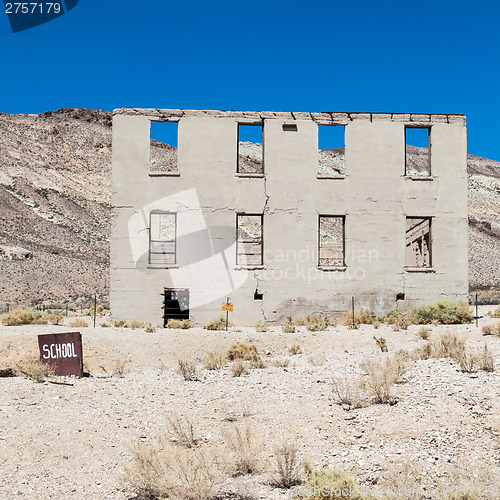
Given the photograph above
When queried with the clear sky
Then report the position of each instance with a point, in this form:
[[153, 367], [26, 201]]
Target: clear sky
[[423, 56]]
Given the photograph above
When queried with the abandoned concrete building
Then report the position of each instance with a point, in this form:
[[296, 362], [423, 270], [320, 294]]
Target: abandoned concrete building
[[287, 223]]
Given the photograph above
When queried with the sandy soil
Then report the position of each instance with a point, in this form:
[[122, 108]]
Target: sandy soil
[[75, 441]]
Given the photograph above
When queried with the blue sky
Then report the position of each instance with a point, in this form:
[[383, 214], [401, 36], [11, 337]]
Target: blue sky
[[385, 56]]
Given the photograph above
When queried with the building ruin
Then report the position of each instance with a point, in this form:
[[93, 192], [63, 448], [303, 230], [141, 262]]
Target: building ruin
[[280, 226]]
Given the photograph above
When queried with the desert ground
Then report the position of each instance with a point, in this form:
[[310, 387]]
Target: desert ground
[[76, 441]]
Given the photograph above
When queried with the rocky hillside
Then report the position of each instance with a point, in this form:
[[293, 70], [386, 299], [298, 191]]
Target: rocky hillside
[[55, 213]]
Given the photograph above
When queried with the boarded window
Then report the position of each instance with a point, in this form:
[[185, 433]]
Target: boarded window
[[418, 148], [162, 238], [418, 242], [331, 154], [163, 146], [249, 244], [331, 240], [250, 150]]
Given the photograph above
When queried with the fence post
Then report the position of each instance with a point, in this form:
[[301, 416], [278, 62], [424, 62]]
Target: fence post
[[95, 307]]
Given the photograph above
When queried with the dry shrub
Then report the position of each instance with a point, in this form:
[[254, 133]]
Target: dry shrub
[[105, 325], [214, 361], [134, 324], [162, 471], [391, 317], [55, 319], [361, 317], [329, 484], [18, 317], [182, 324], [149, 328], [238, 368], [120, 366], [491, 329], [449, 345], [376, 324], [242, 350], [318, 323], [187, 369], [347, 392], [261, 326], [281, 363], [495, 313], [295, 349], [288, 327], [486, 360], [183, 431], [246, 449], [31, 367], [424, 333], [120, 323], [218, 323], [443, 312], [287, 464], [78, 323], [469, 362], [381, 375], [402, 322], [301, 321]]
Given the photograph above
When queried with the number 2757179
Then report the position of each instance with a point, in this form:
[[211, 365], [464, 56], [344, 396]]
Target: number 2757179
[[32, 8]]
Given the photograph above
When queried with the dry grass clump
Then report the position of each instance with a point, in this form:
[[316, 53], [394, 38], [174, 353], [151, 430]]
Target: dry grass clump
[[18, 317], [236, 351], [183, 324], [187, 369], [491, 329], [443, 312], [347, 392], [361, 317], [286, 464], [382, 374], [214, 361], [245, 448], [55, 319], [318, 323], [183, 431], [486, 360], [333, 484], [295, 349], [391, 317], [105, 324], [218, 323], [31, 367], [424, 333], [402, 322], [134, 324], [149, 328], [120, 366], [261, 326], [495, 313], [100, 311], [78, 323], [242, 350], [281, 363], [238, 368], [120, 323], [317, 359]]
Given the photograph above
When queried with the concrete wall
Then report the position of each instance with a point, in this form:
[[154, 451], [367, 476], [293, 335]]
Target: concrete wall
[[374, 196]]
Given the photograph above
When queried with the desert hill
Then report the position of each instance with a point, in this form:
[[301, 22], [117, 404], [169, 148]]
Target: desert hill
[[55, 212]]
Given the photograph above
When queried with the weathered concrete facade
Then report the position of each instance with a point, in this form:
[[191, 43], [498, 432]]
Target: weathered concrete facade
[[375, 201]]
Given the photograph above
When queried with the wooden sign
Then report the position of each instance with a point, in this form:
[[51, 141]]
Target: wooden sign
[[63, 351], [227, 307]]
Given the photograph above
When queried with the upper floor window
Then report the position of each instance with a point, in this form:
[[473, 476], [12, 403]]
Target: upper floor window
[[163, 148], [250, 149], [417, 151], [331, 152]]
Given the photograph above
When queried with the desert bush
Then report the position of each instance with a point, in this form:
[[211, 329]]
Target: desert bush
[[78, 323], [55, 319], [31, 367], [318, 323], [187, 369], [120, 366], [491, 329], [486, 360], [361, 317], [402, 322], [495, 313], [469, 362], [426, 351], [257, 364], [149, 328], [184, 324], [281, 363], [100, 311], [449, 345], [424, 333], [301, 321], [183, 431], [105, 324], [443, 312], [329, 484], [134, 324], [246, 449], [382, 343], [238, 368], [347, 392], [391, 317], [120, 323], [380, 377], [376, 324], [287, 464], [295, 349], [242, 350], [261, 326], [214, 361], [288, 327], [218, 323], [18, 317]]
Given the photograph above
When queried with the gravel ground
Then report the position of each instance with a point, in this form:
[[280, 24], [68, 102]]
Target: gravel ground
[[75, 441]]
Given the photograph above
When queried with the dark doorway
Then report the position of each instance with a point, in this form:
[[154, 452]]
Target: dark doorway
[[175, 304]]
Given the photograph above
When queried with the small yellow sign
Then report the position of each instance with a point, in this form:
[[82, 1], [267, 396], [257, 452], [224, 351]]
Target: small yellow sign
[[227, 307]]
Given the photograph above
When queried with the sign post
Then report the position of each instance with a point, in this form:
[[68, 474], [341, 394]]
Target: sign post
[[227, 306], [63, 351]]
